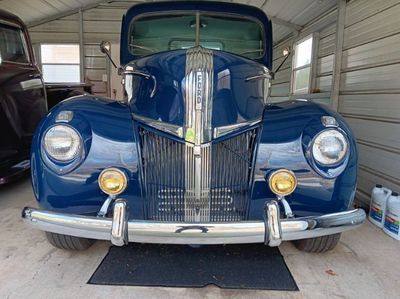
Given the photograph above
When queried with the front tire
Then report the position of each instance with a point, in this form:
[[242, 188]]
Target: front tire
[[69, 242], [319, 244]]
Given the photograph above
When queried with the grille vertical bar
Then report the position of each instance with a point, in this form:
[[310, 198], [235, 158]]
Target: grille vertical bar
[[169, 178]]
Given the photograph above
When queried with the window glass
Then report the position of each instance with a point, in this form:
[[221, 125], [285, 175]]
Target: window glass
[[60, 63], [303, 53], [154, 34], [301, 80], [68, 54], [302, 66], [12, 44]]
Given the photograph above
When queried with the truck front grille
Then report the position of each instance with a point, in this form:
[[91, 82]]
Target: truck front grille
[[174, 191]]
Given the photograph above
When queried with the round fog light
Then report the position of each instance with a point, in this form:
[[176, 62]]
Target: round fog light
[[282, 182], [112, 181]]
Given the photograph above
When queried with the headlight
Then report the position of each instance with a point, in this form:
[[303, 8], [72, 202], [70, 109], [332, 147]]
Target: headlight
[[62, 143], [112, 181], [282, 182], [329, 147]]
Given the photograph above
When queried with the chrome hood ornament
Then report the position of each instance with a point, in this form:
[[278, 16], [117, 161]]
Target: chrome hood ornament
[[198, 95]]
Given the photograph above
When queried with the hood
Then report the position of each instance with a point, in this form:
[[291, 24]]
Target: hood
[[197, 94]]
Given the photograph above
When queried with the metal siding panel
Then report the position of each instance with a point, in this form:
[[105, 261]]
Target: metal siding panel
[[282, 76], [377, 52], [327, 45], [278, 90], [325, 64], [376, 27], [380, 160], [324, 83], [61, 25], [106, 14], [359, 10], [382, 78], [102, 26], [95, 63], [371, 105], [60, 37], [383, 134]]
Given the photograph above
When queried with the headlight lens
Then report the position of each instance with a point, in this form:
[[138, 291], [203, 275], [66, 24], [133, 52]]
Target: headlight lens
[[282, 182], [112, 181], [329, 147], [62, 143]]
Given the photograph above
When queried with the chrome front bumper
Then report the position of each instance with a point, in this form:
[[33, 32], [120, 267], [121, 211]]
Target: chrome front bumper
[[119, 230]]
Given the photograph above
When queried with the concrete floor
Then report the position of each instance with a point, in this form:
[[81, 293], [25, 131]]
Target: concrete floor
[[364, 265]]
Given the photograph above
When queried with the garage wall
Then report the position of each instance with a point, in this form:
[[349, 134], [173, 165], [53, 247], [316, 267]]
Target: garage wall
[[370, 90], [324, 29], [100, 23], [369, 93]]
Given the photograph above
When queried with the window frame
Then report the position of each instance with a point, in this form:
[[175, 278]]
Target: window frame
[[24, 44], [310, 65], [198, 14], [62, 64]]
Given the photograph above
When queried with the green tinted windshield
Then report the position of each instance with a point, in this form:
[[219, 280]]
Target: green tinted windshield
[[157, 33]]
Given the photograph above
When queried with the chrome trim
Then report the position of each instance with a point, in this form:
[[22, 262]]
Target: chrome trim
[[119, 227], [159, 125], [145, 75], [193, 233], [197, 183], [225, 130], [258, 77], [198, 91], [329, 121], [273, 224]]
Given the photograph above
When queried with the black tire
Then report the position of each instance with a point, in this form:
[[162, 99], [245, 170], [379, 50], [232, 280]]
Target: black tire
[[319, 244], [69, 242]]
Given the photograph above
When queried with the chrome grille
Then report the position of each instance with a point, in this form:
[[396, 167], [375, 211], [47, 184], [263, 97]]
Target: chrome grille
[[175, 192]]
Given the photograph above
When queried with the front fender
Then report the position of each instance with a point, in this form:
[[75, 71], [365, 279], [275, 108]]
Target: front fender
[[107, 130], [287, 130]]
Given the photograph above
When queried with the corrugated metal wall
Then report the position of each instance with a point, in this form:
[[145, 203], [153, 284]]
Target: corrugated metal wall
[[370, 90], [100, 23], [369, 95], [324, 29]]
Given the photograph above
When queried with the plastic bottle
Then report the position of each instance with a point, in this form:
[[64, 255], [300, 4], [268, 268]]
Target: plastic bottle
[[392, 218], [379, 197]]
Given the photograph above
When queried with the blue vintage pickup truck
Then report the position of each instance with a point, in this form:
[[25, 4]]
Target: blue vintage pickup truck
[[194, 153]]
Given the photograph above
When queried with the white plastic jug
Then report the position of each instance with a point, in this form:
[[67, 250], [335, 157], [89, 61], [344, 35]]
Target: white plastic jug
[[377, 209], [392, 218]]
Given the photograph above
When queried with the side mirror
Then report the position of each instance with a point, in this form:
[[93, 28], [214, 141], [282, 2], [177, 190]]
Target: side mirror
[[105, 47], [285, 52]]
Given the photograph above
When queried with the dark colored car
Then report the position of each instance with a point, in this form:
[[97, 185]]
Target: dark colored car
[[194, 154], [23, 95]]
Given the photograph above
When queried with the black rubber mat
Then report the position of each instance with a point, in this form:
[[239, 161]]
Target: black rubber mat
[[231, 266]]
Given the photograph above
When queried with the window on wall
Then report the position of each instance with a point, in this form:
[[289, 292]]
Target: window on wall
[[60, 63], [301, 78]]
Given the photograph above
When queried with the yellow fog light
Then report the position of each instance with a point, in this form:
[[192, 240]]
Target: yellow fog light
[[282, 182], [112, 181]]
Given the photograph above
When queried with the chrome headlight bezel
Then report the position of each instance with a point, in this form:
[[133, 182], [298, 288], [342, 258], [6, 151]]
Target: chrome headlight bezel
[[323, 159], [74, 153]]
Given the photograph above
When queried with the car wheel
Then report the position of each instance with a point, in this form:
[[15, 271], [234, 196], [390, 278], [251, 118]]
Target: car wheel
[[69, 242], [319, 244]]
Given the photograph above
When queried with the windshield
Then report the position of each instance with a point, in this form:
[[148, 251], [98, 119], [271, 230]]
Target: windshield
[[157, 33], [12, 47]]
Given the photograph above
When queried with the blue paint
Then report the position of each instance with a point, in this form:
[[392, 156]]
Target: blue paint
[[111, 136]]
